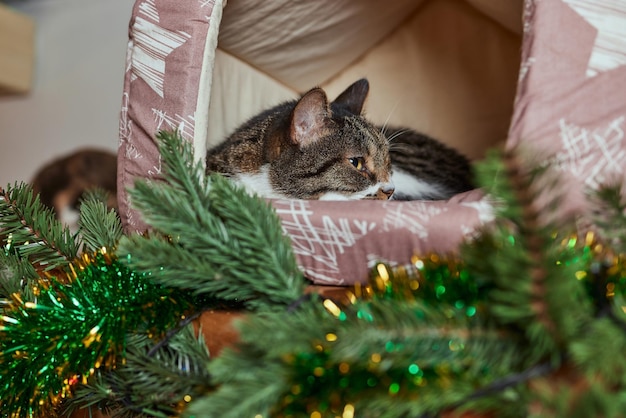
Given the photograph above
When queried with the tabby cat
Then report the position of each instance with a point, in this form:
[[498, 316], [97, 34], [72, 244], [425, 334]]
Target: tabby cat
[[312, 149]]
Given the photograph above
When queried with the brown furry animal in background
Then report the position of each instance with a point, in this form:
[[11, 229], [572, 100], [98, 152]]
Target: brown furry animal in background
[[62, 182]]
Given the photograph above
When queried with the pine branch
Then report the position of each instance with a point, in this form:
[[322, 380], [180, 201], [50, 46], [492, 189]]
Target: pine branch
[[609, 210], [17, 276], [594, 351], [35, 232], [386, 357], [576, 395], [500, 385], [535, 276], [450, 353], [99, 227], [242, 398], [157, 385], [222, 242]]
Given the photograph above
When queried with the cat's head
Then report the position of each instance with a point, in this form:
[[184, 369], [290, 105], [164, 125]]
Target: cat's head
[[332, 152]]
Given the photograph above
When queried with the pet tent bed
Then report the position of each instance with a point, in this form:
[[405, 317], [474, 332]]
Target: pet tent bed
[[449, 68]]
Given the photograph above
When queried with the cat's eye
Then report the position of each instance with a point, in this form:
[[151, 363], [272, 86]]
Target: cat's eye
[[357, 162]]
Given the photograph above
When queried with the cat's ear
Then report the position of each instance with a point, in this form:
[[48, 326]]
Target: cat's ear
[[308, 122], [354, 96]]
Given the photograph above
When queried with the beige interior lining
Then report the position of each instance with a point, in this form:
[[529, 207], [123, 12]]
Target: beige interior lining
[[442, 67], [303, 43]]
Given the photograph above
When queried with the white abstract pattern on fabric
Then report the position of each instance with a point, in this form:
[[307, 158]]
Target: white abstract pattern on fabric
[[413, 216], [593, 156], [609, 18], [149, 9], [484, 208], [322, 243], [126, 124], [525, 68], [126, 131], [152, 44], [207, 3], [325, 239], [184, 125]]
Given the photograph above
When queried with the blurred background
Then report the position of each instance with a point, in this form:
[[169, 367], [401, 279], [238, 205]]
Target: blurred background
[[74, 97]]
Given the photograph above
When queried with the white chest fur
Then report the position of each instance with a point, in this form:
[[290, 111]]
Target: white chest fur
[[409, 187], [259, 183]]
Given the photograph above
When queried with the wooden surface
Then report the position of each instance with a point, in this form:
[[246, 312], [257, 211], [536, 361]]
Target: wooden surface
[[17, 39]]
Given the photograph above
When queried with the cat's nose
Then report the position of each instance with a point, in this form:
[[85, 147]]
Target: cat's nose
[[387, 189]]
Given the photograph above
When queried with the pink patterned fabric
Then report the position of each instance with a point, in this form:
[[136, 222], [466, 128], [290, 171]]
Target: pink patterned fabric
[[338, 242], [165, 49], [570, 108]]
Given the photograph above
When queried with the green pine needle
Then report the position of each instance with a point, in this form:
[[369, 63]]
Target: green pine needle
[[35, 232], [382, 357], [99, 227], [535, 275], [16, 276], [155, 384], [610, 215], [221, 242], [595, 351]]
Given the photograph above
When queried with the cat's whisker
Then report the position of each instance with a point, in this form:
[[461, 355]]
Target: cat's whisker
[[383, 129], [396, 135], [400, 147]]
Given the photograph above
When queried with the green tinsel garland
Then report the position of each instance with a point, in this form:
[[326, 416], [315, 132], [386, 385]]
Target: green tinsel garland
[[79, 323]]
